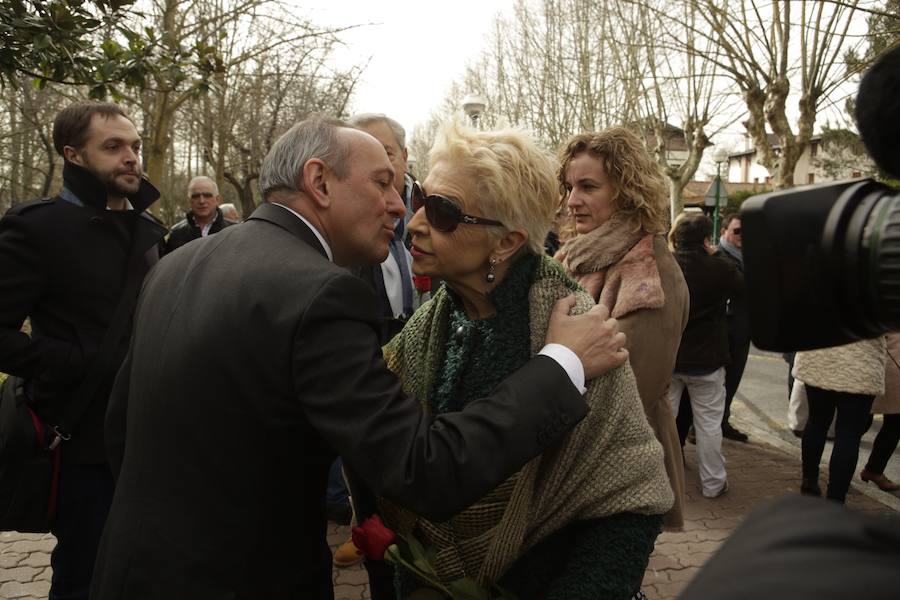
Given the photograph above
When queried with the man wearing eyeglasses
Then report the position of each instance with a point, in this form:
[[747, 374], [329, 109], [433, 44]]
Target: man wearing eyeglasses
[[738, 322], [204, 217]]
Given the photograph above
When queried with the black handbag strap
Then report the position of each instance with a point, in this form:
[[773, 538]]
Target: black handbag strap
[[105, 358]]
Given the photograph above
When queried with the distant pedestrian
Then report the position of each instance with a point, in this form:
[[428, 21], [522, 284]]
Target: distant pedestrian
[[204, 217], [738, 313], [844, 379], [703, 354], [230, 212], [888, 405]]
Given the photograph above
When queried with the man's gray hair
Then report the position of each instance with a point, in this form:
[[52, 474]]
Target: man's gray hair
[[363, 120], [315, 137], [200, 178]]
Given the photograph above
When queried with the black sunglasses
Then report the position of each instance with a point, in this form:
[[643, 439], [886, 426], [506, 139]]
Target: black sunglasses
[[443, 213], [736, 231]]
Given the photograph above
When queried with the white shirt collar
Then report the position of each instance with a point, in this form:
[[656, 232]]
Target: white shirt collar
[[310, 225], [128, 205]]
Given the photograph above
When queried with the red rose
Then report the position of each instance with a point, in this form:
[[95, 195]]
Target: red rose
[[422, 283], [373, 537]]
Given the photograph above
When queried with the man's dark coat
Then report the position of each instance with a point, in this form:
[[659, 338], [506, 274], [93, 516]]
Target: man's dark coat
[[187, 230], [64, 266], [254, 361], [738, 307], [711, 282]]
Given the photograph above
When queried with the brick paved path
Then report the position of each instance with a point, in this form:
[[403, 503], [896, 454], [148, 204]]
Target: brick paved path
[[756, 473], [25, 565]]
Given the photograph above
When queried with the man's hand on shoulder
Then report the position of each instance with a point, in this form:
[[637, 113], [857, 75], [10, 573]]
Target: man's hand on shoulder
[[593, 336]]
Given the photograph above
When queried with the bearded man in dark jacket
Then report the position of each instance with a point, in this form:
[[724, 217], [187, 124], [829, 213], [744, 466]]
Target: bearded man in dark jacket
[[64, 262]]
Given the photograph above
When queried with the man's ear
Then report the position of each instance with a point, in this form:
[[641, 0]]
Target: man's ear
[[72, 155], [315, 182], [509, 244]]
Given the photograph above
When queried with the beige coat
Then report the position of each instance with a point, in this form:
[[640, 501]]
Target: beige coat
[[889, 402], [653, 336], [855, 368]]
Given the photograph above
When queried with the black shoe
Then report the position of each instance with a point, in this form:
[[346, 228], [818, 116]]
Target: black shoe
[[810, 487], [733, 434], [340, 513]]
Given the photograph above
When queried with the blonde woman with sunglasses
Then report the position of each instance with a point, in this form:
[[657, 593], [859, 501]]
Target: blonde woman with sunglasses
[[581, 520]]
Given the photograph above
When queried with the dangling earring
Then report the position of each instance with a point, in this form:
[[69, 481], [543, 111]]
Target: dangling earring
[[490, 277]]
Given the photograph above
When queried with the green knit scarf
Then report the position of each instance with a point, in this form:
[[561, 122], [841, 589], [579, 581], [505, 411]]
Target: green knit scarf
[[611, 462]]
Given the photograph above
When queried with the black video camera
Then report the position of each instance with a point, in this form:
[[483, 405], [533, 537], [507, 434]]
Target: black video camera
[[822, 262]]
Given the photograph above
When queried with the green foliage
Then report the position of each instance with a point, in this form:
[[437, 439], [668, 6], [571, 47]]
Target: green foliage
[[95, 43], [883, 34], [842, 138], [884, 29], [843, 154], [69, 41], [735, 199]]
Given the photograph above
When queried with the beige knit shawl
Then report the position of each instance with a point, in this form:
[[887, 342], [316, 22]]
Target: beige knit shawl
[[611, 463]]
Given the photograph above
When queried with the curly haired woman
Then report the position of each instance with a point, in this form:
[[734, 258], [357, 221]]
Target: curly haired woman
[[618, 203]]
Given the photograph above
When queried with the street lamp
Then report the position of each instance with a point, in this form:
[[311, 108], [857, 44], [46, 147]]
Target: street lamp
[[719, 156], [474, 106]]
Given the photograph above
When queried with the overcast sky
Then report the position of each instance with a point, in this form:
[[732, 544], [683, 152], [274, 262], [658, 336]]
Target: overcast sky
[[417, 48]]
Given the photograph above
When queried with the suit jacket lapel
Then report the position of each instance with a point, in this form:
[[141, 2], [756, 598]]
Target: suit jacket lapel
[[284, 219]]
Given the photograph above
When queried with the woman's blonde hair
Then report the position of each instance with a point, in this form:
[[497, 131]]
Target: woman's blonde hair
[[511, 176], [636, 178]]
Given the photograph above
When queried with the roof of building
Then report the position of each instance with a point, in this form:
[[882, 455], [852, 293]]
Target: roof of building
[[773, 142]]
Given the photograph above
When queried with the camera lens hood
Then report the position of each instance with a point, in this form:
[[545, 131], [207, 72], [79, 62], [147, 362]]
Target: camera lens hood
[[860, 249]]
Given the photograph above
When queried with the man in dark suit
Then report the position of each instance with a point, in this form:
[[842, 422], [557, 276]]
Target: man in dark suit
[[221, 472]]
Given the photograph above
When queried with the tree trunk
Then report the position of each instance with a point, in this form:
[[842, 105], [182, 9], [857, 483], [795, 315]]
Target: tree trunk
[[676, 199]]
